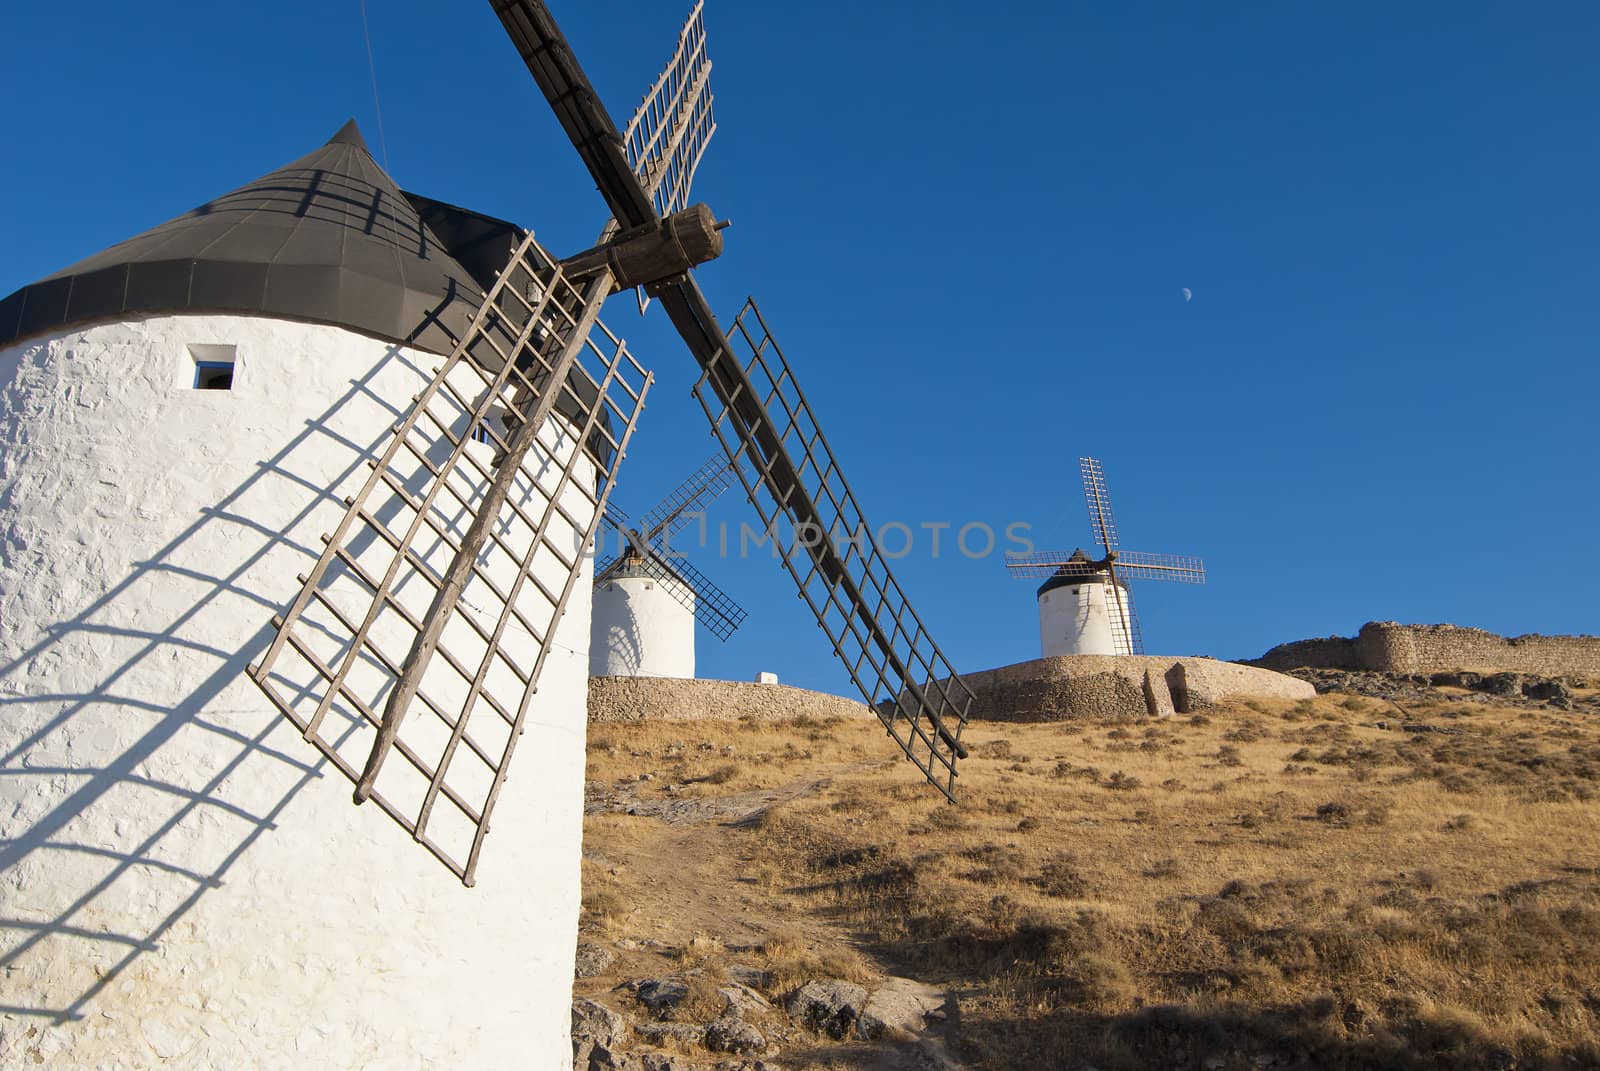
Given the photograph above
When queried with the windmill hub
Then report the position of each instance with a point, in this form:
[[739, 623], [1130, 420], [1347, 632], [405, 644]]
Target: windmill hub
[[658, 252]]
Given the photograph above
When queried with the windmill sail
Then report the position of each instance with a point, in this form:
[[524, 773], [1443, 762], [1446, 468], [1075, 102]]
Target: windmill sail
[[350, 645], [647, 548], [713, 607], [687, 501], [854, 596], [1099, 501], [766, 426], [673, 124], [1131, 565], [1126, 635]]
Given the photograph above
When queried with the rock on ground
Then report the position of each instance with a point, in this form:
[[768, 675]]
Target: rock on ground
[[900, 1004], [678, 1033], [830, 1007], [593, 959], [661, 995], [594, 1026], [742, 1000], [729, 1033]]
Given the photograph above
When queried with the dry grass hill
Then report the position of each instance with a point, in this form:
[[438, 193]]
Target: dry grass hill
[[1332, 883]]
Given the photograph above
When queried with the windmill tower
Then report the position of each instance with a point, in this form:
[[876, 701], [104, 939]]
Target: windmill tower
[[295, 491], [647, 598], [1085, 607]]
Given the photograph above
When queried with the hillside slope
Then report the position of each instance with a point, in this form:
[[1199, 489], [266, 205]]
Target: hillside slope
[[1332, 883]]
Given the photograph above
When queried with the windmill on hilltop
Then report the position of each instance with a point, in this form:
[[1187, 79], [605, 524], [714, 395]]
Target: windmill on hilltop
[[302, 482], [647, 598], [1085, 607]]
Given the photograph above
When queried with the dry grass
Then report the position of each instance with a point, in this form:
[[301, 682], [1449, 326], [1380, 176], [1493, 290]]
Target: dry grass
[[1277, 885]]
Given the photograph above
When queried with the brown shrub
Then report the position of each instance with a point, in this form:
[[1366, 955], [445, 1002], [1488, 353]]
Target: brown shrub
[[1101, 982], [721, 775], [1062, 877], [1334, 812]]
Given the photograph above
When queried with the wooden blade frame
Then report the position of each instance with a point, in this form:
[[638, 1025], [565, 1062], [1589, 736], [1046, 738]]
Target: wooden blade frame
[[673, 124], [1126, 635], [803, 499], [712, 606], [687, 501], [1050, 563], [341, 647], [1130, 564], [1099, 500], [1178, 568]]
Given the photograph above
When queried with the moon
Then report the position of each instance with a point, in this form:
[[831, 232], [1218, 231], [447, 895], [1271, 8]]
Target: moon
[[1187, 294]]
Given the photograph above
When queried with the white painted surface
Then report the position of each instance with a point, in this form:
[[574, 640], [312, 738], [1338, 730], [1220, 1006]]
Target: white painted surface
[[766, 678], [1077, 620], [640, 629], [182, 882]]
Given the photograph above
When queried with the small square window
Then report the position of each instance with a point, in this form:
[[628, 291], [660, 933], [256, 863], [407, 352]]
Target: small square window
[[481, 433], [213, 366], [213, 375]]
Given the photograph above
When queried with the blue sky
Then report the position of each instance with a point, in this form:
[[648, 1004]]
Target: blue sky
[[970, 228]]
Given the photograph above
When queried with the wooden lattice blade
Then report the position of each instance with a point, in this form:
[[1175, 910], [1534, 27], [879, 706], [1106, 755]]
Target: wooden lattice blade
[[342, 644], [799, 490], [1051, 563], [673, 124], [687, 502], [1130, 565], [1137, 565], [1099, 502]]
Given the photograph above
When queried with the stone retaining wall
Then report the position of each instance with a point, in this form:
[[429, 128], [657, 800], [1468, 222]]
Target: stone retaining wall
[[1390, 647], [1103, 687], [1119, 687], [635, 699]]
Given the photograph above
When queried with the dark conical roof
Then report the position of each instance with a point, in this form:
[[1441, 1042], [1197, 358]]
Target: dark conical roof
[[1081, 569], [328, 238]]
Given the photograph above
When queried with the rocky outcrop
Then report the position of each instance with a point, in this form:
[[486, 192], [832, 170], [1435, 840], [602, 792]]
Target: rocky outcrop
[[894, 1016], [1503, 689], [635, 699]]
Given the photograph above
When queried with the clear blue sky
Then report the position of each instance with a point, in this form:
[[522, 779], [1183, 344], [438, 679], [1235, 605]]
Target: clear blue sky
[[970, 226]]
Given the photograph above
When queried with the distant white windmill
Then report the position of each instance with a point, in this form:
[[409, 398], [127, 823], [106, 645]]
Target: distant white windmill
[[648, 596], [1084, 604]]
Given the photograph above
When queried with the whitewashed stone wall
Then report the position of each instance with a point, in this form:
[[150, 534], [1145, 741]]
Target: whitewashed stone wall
[[1077, 619], [640, 629], [182, 882]]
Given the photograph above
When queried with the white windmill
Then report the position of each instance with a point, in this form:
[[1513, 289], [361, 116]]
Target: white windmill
[[394, 424], [648, 596], [1085, 607]]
